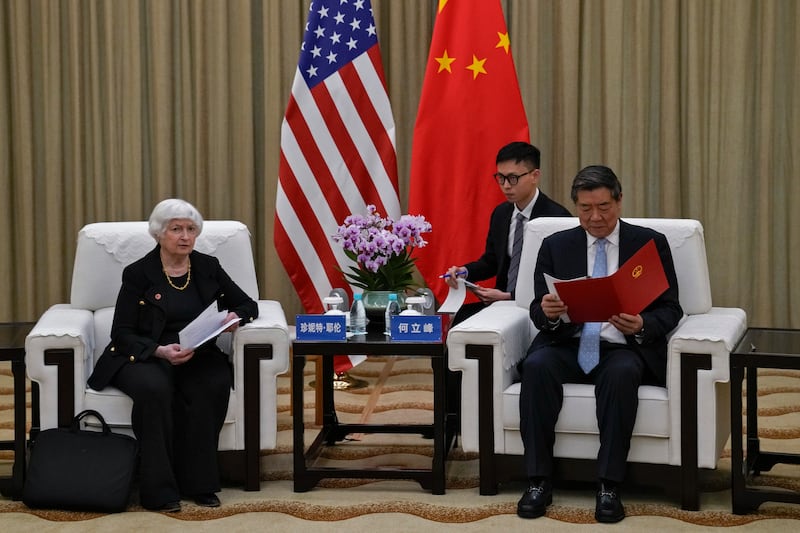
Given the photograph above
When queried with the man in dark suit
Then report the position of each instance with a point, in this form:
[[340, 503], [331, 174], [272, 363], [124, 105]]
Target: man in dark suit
[[630, 350], [518, 176]]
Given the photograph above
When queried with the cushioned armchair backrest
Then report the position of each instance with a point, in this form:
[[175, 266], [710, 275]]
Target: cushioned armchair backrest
[[685, 238], [105, 248]]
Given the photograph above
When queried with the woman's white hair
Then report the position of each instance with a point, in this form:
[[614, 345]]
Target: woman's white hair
[[170, 209]]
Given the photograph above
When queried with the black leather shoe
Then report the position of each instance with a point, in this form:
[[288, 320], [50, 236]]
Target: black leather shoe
[[207, 500], [609, 507], [535, 500], [169, 507]]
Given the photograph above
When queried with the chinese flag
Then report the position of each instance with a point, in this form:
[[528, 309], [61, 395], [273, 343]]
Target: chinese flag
[[470, 107]]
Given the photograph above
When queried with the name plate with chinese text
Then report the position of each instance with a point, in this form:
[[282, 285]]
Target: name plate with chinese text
[[321, 328], [424, 328]]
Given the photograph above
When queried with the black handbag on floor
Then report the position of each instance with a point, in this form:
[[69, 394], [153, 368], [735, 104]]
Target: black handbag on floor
[[80, 470]]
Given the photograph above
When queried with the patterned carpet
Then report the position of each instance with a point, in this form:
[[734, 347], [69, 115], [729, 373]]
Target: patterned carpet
[[398, 390]]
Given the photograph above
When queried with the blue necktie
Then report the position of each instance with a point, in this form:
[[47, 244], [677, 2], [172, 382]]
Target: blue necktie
[[589, 348], [516, 253]]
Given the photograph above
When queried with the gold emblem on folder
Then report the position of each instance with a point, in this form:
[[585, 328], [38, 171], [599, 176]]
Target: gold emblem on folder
[[637, 271]]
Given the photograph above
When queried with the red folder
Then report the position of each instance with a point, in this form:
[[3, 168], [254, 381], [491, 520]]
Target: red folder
[[639, 281]]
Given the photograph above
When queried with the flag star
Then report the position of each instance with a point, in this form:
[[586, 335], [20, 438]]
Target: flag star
[[320, 32], [504, 41], [356, 24], [316, 51], [342, 2], [371, 29], [444, 62], [359, 4], [312, 71], [336, 38], [331, 58], [477, 66], [323, 12], [339, 18], [351, 43]]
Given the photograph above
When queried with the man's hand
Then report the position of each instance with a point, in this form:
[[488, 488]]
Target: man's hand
[[488, 296], [174, 354], [452, 275], [552, 306], [627, 324]]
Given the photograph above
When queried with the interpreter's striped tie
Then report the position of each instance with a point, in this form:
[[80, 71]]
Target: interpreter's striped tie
[[516, 252]]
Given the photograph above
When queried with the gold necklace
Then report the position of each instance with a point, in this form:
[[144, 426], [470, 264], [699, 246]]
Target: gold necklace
[[188, 279]]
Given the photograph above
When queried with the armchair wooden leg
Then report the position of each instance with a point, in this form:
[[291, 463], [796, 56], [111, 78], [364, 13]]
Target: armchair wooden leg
[[690, 364], [486, 460], [62, 359], [253, 353]]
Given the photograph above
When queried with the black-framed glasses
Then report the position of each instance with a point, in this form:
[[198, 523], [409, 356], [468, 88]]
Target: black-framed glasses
[[512, 179]]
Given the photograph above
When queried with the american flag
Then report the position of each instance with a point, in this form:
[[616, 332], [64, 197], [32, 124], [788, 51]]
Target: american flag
[[337, 146]]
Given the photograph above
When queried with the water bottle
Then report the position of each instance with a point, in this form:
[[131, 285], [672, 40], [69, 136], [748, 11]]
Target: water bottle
[[392, 309], [358, 316]]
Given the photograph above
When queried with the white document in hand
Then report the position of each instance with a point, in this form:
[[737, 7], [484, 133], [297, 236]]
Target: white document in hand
[[455, 297], [551, 288], [205, 327], [454, 300]]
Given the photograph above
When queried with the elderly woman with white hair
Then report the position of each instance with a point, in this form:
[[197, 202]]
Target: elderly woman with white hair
[[180, 395]]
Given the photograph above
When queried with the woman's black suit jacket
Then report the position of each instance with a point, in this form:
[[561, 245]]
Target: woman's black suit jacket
[[139, 317]]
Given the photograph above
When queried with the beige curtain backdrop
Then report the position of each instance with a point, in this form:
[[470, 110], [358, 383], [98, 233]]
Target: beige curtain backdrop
[[107, 107]]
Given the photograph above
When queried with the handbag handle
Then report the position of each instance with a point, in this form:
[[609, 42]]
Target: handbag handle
[[76, 422]]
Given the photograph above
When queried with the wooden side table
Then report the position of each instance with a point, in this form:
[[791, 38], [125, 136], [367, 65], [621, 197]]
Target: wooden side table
[[758, 348], [12, 349], [442, 431]]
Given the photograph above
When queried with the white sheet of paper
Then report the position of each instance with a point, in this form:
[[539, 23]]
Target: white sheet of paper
[[551, 288], [454, 300], [205, 327]]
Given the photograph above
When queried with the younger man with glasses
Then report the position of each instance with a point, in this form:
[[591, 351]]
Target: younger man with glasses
[[518, 177]]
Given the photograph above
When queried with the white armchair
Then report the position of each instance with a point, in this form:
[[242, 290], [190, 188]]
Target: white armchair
[[67, 340], [678, 429]]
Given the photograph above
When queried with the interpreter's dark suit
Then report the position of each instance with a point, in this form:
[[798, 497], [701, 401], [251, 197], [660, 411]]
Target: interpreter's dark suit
[[552, 357], [495, 259], [494, 263], [178, 411]]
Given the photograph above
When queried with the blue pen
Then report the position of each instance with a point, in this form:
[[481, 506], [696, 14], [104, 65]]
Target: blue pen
[[459, 273]]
